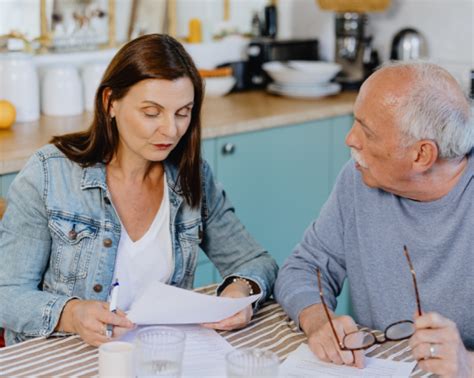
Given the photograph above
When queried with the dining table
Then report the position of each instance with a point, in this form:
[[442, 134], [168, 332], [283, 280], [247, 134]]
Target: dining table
[[270, 329]]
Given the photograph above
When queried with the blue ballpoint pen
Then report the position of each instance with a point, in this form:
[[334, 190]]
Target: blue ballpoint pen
[[112, 306]]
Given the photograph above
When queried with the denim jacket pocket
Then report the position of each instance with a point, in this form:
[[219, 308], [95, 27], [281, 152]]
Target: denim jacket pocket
[[190, 236], [72, 245]]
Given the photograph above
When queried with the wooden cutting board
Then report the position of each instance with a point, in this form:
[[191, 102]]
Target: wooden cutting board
[[360, 6]]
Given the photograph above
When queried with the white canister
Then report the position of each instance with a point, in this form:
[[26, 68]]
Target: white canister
[[116, 359], [61, 91], [19, 85], [91, 76]]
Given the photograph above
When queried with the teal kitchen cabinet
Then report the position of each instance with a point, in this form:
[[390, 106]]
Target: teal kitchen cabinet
[[340, 153], [206, 273], [208, 150], [5, 181], [278, 179]]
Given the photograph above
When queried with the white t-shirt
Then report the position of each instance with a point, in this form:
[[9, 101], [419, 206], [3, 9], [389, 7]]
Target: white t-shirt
[[148, 259]]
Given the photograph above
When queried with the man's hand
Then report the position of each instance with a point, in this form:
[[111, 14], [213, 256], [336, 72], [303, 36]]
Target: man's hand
[[438, 347], [89, 320], [314, 322], [239, 320]]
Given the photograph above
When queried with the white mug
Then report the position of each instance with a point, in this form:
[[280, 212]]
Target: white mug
[[61, 91], [19, 85], [91, 76], [116, 359]]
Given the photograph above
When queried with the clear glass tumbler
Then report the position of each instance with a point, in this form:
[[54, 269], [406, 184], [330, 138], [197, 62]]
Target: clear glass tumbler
[[251, 363], [159, 352]]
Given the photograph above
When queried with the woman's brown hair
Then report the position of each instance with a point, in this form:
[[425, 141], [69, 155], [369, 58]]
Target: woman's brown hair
[[152, 56]]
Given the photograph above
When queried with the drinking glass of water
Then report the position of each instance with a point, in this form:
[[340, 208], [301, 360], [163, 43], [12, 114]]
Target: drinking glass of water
[[251, 363], [159, 352]]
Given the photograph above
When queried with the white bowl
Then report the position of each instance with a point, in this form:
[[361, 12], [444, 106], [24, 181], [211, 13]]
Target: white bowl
[[305, 72], [304, 91], [218, 86]]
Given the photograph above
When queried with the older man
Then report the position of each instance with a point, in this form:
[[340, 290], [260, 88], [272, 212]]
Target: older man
[[411, 183]]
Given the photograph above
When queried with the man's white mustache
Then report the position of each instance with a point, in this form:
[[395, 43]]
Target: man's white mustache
[[356, 156]]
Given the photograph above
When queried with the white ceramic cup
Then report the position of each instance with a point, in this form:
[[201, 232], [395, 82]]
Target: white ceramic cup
[[91, 76], [116, 359], [19, 84], [61, 91]]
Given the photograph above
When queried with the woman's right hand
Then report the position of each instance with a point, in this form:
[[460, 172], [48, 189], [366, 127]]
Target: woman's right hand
[[89, 320]]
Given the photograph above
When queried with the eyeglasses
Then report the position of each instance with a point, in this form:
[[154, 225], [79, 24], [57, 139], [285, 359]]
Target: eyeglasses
[[363, 339]]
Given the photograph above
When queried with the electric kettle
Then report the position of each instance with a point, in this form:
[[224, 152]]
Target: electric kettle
[[408, 44]]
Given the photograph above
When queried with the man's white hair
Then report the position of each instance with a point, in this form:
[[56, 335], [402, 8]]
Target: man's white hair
[[435, 108]]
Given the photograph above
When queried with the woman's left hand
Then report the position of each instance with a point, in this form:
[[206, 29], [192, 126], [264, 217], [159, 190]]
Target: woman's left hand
[[239, 320], [438, 347]]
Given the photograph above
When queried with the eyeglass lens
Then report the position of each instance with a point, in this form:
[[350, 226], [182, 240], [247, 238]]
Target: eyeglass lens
[[399, 331], [359, 340], [363, 339]]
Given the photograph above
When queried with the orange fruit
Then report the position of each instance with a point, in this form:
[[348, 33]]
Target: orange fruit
[[7, 114]]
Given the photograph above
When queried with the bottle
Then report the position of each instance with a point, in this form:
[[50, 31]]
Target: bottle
[[270, 21], [256, 29], [195, 31]]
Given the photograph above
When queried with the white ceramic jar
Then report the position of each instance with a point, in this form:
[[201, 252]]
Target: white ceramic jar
[[91, 76], [61, 91], [19, 85]]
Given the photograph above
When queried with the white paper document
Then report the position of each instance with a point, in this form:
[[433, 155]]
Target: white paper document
[[204, 351], [303, 363], [165, 304]]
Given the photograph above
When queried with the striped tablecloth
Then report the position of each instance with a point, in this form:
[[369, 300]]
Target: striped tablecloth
[[269, 329]]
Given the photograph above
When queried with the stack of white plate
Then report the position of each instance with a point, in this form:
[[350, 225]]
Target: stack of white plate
[[302, 79]]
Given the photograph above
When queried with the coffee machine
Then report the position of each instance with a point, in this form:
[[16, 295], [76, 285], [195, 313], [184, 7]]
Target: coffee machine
[[354, 50]]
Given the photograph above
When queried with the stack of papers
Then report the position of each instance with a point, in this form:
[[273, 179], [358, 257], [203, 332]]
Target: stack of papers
[[165, 304]]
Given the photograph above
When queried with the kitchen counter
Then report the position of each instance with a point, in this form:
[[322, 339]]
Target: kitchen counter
[[232, 114]]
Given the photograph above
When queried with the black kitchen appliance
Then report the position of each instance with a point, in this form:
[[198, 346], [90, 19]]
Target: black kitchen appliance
[[472, 85], [240, 71], [354, 51], [264, 50]]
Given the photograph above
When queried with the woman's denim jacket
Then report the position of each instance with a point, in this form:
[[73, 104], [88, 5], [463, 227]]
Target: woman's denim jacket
[[60, 232]]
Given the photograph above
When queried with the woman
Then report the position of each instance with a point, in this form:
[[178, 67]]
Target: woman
[[128, 199]]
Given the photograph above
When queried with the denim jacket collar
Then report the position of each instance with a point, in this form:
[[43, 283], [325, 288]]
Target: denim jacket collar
[[172, 178], [95, 177]]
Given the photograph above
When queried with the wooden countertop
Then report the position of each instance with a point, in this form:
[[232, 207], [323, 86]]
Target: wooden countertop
[[232, 114]]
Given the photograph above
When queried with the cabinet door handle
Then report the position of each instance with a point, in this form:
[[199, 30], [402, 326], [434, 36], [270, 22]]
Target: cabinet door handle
[[228, 149]]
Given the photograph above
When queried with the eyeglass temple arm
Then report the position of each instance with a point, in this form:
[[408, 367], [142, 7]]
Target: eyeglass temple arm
[[326, 309], [413, 274]]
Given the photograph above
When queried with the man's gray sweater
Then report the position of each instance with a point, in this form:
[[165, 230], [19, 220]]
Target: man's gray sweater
[[360, 234]]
